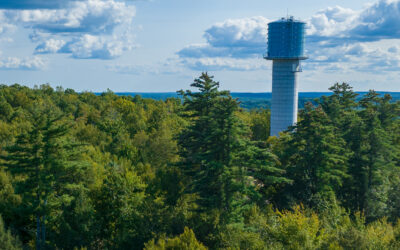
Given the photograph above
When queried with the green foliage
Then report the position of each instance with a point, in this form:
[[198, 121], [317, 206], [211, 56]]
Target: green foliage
[[224, 167], [297, 230], [236, 236], [47, 165], [119, 219], [315, 158], [368, 128], [209, 144], [260, 124], [86, 171], [9, 200], [186, 241], [8, 241]]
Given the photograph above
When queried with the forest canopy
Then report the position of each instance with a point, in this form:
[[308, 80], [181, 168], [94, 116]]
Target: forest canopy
[[87, 171]]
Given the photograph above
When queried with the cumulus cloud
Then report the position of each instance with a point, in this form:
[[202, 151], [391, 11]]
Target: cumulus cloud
[[332, 21], [96, 47], [247, 32], [237, 38], [29, 63], [377, 21], [394, 49], [90, 16], [50, 46], [96, 29], [336, 38], [223, 63], [87, 47], [358, 40], [5, 26], [206, 50], [359, 57]]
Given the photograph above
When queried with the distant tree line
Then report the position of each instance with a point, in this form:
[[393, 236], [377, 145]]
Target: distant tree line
[[86, 171]]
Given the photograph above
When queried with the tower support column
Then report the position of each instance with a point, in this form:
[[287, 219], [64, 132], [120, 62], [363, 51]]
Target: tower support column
[[284, 106]]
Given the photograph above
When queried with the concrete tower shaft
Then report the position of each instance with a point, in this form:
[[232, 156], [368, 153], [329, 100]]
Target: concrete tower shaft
[[284, 94]]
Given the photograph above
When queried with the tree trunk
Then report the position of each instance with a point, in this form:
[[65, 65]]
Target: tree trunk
[[38, 233]]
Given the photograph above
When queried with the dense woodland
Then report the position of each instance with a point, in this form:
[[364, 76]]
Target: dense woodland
[[257, 100], [86, 171]]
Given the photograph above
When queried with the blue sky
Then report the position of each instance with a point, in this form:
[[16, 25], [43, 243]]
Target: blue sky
[[162, 45]]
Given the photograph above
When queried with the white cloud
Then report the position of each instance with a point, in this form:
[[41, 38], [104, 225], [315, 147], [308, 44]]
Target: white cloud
[[207, 50], [394, 49], [5, 26], [29, 63], [246, 32], [93, 47], [377, 21], [377, 57], [222, 63], [98, 29], [90, 16], [236, 38], [179, 66], [332, 21], [50, 46]]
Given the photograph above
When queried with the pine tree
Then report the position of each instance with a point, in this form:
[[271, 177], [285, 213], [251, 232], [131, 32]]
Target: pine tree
[[377, 155], [209, 143], [8, 241], [369, 131], [47, 163], [224, 166], [341, 108], [315, 158]]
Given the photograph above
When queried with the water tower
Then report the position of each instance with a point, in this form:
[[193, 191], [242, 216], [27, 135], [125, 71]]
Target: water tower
[[285, 49]]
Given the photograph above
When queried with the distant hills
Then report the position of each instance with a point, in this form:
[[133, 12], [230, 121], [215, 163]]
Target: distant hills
[[254, 100]]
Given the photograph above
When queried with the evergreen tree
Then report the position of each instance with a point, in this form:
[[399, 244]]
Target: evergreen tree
[[119, 203], [209, 144], [8, 241], [47, 163], [315, 158], [9, 200], [341, 108], [150, 169], [378, 155], [224, 166]]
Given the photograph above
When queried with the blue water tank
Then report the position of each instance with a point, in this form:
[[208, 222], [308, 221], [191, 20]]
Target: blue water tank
[[286, 39]]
